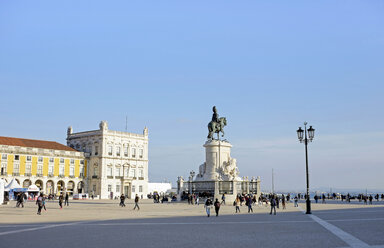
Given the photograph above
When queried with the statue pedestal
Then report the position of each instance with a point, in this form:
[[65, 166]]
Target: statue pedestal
[[217, 155]]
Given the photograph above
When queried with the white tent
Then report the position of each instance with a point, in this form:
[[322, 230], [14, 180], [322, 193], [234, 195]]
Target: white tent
[[2, 184], [33, 188], [12, 185]]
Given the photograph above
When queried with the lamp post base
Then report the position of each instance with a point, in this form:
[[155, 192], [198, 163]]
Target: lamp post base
[[308, 207]]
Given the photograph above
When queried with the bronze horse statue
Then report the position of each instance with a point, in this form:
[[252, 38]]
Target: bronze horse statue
[[216, 127]]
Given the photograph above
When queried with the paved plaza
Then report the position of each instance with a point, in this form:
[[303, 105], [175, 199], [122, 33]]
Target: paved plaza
[[100, 223]]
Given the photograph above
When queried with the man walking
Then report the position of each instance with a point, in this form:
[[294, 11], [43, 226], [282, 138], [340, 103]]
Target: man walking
[[249, 202], [217, 207], [122, 200], [66, 202], [223, 199], [273, 205], [136, 203], [61, 198], [39, 203]]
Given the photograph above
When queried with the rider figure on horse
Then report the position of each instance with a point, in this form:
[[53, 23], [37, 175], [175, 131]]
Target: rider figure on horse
[[215, 115]]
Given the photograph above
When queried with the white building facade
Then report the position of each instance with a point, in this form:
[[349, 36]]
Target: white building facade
[[117, 161]]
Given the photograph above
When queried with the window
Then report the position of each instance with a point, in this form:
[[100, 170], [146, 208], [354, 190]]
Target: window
[[61, 161], [50, 169], [72, 171], [28, 168], [117, 171], [118, 151], [109, 171], [17, 157], [133, 152], [3, 169], [141, 173], [126, 151], [117, 188], [133, 173], [109, 188], [40, 159], [141, 153], [82, 171], [96, 150], [81, 161], [140, 188], [110, 150], [94, 188], [29, 158], [40, 169], [133, 188], [126, 172], [4, 157], [61, 170], [95, 170], [16, 167], [72, 161], [51, 160]]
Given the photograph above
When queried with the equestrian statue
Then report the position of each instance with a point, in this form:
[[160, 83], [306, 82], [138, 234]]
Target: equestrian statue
[[216, 125]]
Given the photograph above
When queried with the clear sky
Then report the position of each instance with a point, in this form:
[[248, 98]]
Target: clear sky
[[268, 66]]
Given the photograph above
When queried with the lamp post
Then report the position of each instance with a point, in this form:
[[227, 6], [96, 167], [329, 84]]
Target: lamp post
[[303, 138]]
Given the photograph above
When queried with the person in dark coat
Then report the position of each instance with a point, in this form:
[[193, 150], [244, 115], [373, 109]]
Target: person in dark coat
[[61, 198], [273, 204], [66, 202], [217, 207], [122, 199], [136, 203]]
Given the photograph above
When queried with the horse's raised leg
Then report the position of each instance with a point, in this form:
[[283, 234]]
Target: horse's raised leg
[[222, 131]]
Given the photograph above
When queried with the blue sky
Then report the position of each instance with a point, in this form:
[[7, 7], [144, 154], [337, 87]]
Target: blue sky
[[267, 66]]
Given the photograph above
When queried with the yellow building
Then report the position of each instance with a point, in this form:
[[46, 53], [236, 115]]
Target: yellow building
[[51, 166]]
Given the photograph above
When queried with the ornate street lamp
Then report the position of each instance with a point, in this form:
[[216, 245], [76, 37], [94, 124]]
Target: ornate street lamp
[[302, 136]]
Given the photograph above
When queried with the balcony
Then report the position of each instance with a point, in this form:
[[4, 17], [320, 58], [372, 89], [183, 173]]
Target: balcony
[[3, 173], [141, 156], [134, 178], [94, 176], [81, 175], [118, 177], [15, 174], [110, 177], [141, 178], [39, 174], [50, 174], [61, 176], [71, 176], [27, 174]]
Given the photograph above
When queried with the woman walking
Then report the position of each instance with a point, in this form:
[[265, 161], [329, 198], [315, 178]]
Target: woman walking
[[207, 206], [237, 204]]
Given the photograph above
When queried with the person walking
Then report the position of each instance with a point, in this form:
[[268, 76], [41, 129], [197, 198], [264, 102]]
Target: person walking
[[273, 205], [197, 200], [249, 202], [323, 198], [217, 207], [207, 206], [39, 203], [44, 198], [223, 199], [122, 199], [136, 203], [283, 202], [237, 204], [370, 199], [61, 198], [296, 201], [66, 202]]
